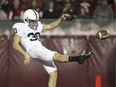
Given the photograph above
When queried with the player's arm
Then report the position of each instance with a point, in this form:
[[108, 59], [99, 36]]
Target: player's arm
[[16, 45], [55, 23]]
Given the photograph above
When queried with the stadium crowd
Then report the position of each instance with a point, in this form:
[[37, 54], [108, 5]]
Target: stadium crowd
[[51, 9]]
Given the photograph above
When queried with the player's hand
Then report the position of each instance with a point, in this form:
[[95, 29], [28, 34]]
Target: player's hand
[[65, 16], [27, 59]]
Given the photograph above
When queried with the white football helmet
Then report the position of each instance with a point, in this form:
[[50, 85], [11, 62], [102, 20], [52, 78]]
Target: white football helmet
[[31, 18]]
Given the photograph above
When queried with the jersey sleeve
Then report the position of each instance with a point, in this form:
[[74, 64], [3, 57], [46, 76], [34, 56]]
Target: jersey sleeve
[[40, 27], [17, 29]]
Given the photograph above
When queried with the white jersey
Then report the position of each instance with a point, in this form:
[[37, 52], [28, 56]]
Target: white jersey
[[29, 37], [31, 41]]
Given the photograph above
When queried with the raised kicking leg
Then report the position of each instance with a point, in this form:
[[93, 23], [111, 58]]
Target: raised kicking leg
[[64, 58]]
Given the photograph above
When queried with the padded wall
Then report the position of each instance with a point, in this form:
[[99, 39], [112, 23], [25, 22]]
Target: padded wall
[[13, 72]]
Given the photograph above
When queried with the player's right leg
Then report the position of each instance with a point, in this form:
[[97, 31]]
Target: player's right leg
[[47, 55], [64, 58]]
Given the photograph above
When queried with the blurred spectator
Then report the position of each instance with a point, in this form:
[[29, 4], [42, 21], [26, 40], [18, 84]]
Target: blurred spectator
[[84, 14], [113, 5], [77, 7], [24, 4], [15, 12], [38, 6], [86, 5], [68, 8], [5, 4], [103, 11], [82, 3], [34, 5], [93, 4], [51, 11], [110, 1], [59, 3], [3, 15]]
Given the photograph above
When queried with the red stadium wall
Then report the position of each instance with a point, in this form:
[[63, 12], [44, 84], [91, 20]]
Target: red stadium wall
[[13, 73]]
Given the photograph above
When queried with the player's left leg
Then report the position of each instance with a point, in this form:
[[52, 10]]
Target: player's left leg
[[52, 79], [45, 57], [52, 72]]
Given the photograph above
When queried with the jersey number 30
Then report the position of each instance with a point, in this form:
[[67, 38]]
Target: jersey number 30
[[34, 36]]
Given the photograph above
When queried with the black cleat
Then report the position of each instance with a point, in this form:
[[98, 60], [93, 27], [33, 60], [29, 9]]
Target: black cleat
[[84, 57]]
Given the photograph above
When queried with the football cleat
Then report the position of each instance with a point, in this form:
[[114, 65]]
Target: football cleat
[[84, 57]]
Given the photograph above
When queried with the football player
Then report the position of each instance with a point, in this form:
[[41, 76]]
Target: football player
[[28, 34]]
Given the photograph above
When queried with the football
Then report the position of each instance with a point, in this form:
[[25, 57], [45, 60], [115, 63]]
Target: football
[[102, 34]]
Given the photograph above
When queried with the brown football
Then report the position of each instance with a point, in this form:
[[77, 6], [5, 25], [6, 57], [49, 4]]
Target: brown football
[[102, 34]]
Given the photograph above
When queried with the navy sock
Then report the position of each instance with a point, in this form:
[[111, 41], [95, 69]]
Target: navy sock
[[74, 58]]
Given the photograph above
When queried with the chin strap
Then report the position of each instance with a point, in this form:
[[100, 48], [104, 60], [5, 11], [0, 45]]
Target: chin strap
[[33, 27]]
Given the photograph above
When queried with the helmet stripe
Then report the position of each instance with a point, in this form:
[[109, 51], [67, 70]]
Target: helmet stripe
[[35, 13]]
